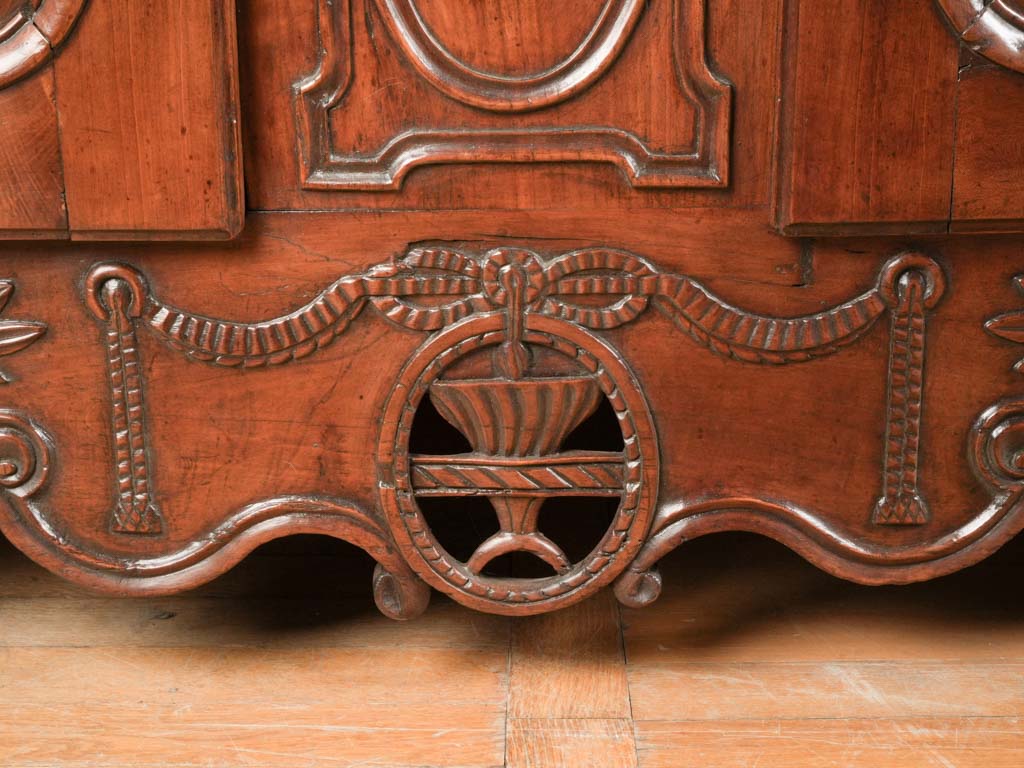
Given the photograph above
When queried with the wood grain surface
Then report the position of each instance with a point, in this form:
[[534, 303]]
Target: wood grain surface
[[147, 102], [751, 657], [31, 172], [988, 190], [122, 123], [867, 134], [757, 427], [509, 287]]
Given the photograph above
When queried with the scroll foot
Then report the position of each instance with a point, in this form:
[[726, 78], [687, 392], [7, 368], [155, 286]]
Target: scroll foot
[[638, 589], [399, 596]]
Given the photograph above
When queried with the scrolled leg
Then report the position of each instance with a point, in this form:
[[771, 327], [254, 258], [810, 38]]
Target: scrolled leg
[[399, 594], [638, 588]]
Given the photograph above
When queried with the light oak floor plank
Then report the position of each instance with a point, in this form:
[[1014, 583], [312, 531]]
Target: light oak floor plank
[[569, 664], [895, 743], [772, 606], [244, 706], [570, 743], [809, 690], [750, 658]]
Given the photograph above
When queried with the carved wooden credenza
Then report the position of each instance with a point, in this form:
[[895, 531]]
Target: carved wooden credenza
[[516, 296]]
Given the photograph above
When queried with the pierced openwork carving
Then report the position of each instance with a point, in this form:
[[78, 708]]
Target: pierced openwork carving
[[514, 365], [29, 38], [516, 421], [468, 108]]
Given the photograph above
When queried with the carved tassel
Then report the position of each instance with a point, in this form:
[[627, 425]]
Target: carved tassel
[[901, 503], [135, 511]]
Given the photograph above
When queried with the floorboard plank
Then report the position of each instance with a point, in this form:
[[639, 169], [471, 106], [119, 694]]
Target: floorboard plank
[[251, 706], [896, 743], [569, 664], [750, 658], [194, 621], [793, 690], [571, 743]]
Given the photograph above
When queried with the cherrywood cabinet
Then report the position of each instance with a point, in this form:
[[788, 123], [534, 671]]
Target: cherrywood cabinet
[[575, 286]]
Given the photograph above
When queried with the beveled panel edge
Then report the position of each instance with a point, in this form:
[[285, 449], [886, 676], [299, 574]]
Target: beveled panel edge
[[707, 166]]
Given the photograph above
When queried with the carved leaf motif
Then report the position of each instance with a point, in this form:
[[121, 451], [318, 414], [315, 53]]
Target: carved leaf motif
[[15, 335], [1009, 326], [6, 289]]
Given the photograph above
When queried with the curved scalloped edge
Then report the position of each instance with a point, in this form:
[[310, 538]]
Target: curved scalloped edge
[[398, 593], [816, 541]]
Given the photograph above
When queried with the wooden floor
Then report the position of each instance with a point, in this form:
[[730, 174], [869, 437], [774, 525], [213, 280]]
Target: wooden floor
[[750, 658]]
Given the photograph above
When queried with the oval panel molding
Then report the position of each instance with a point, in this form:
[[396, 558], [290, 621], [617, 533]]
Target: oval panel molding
[[562, 104], [29, 37], [992, 28], [508, 92]]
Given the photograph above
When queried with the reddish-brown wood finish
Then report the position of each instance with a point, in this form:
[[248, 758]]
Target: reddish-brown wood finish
[[869, 110], [148, 108], [988, 185], [31, 174], [519, 282], [131, 131], [30, 34], [993, 28], [888, 131], [376, 90]]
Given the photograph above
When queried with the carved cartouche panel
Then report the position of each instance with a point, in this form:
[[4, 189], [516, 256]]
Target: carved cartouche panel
[[544, 98]]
